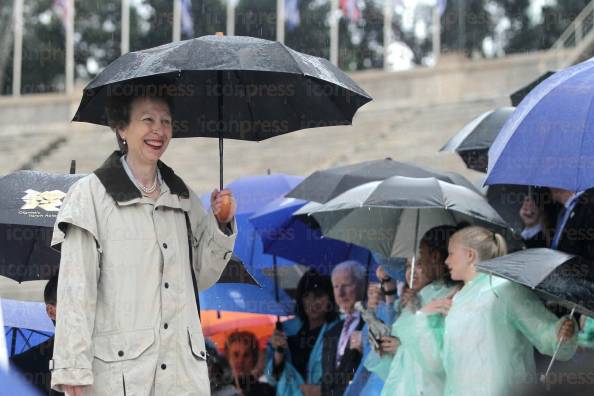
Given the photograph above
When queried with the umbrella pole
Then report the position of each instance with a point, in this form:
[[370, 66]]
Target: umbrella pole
[[13, 341], [220, 125], [220, 162], [412, 265], [544, 377]]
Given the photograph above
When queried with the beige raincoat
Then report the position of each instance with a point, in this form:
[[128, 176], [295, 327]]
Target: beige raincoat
[[127, 321]]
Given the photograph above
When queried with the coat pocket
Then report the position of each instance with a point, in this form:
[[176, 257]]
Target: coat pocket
[[197, 345], [116, 347]]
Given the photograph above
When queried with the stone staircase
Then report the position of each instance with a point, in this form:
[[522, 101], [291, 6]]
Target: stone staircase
[[578, 38], [413, 114]]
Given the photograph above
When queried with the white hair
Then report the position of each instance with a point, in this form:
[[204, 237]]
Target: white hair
[[357, 271]]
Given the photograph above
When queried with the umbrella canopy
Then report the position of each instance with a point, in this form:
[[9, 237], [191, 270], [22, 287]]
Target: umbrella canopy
[[253, 193], [472, 142], [292, 238], [521, 93], [247, 298], [565, 278], [391, 216], [322, 186], [29, 204], [217, 326], [549, 139], [264, 88]]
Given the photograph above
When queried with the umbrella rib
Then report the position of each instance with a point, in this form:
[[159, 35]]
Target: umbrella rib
[[248, 101]]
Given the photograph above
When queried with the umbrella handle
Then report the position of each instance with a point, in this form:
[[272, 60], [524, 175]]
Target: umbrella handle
[[412, 271], [546, 374]]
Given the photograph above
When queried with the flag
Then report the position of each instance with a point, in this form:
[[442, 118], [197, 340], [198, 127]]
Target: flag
[[187, 20], [292, 16], [61, 9], [441, 6], [350, 9]]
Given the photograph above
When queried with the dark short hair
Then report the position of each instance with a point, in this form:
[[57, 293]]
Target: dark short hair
[[437, 239], [314, 282], [245, 337], [118, 107], [50, 293]]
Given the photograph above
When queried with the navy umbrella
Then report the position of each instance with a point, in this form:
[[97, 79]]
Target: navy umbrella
[[230, 87], [549, 139], [29, 204]]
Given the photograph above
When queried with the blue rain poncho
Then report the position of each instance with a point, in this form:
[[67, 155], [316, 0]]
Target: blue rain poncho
[[407, 375], [289, 381], [489, 335]]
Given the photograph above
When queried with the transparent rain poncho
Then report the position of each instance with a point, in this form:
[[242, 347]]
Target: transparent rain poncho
[[407, 375], [490, 335]]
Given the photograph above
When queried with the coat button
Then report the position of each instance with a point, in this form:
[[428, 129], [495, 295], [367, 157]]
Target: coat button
[[163, 366], [166, 285], [164, 245], [165, 326], [121, 353]]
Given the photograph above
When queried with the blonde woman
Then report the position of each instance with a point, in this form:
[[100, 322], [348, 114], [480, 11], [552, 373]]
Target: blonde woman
[[493, 325]]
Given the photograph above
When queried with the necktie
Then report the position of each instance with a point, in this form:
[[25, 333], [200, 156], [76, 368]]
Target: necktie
[[344, 337]]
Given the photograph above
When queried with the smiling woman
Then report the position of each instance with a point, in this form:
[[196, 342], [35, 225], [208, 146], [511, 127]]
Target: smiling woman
[[136, 244]]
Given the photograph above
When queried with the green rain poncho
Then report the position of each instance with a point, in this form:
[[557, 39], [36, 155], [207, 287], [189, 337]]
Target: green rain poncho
[[489, 335], [407, 376]]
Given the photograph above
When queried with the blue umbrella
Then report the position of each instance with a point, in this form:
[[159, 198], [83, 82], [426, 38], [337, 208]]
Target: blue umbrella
[[26, 324], [289, 237], [549, 139], [240, 297], [252, 193]]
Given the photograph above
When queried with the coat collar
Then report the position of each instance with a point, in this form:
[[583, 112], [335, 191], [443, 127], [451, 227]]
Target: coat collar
[[119, 186]]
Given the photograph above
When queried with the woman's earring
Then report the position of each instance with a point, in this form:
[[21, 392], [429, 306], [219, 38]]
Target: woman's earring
[[124, 142]]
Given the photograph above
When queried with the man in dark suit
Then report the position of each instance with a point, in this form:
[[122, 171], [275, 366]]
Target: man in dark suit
[[341, 352], [574, 228], [34, 363]]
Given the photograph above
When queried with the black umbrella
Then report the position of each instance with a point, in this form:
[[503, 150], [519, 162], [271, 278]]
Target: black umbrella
[[472, 142], [230, 87], [322, 186], [562, 277], [235, 272], [517, 96], [29, 204]]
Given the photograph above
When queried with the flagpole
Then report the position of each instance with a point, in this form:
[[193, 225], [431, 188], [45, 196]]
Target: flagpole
[[436, 34], [69, 83], [176, 20], [18, 47], [280, 21], [230, 18], [334, 21], [388, 10], [125, 39]]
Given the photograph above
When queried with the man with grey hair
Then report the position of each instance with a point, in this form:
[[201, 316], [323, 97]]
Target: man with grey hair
[[342, 344]]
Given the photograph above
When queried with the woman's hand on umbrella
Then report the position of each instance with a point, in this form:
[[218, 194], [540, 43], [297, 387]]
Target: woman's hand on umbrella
[[223, 205], [389, 345], [567, 330], [278, 339]]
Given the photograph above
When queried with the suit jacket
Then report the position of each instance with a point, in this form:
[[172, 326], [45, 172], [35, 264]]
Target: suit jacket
[[34, 365], [577, 236], [335, 379]]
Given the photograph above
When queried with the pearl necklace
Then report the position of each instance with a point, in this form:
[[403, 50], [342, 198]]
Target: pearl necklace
[[148, 190]]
